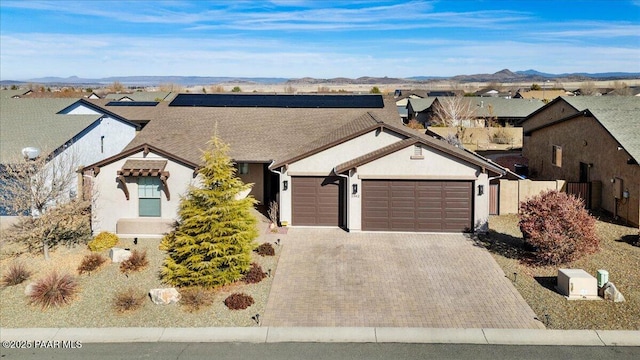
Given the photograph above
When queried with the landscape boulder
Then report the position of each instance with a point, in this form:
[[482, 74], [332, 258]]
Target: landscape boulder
[[118, 255], [164, 296], [28, 290], [611, 293]]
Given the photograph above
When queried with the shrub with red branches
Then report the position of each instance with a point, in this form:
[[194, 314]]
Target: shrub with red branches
[[557, 227]]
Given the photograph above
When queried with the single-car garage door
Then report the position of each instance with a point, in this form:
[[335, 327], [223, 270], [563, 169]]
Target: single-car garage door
[[316, 200], [417, 205]]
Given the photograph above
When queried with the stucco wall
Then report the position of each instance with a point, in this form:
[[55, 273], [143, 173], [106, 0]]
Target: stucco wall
[[256, 177], [434, 165], [583, 139], [322, 163], [112, 205]]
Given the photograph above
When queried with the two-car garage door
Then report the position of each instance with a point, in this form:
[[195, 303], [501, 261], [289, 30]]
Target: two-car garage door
[[417, 205], [387, 205]]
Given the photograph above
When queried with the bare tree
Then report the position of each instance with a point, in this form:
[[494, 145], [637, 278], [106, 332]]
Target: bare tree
[[620, 88], [588, 88], [37, 190], [171, 87], [290, 89], [116, 87], [217, 89], [454, 111]]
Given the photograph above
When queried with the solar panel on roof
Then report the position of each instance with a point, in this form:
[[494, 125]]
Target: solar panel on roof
[[278, 100], [132, 103]]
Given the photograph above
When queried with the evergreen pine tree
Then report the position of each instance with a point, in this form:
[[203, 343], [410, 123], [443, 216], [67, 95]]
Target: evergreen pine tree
[[212, 241]]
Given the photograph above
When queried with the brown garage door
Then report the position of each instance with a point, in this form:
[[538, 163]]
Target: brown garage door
[[412, 205], [316, 200]]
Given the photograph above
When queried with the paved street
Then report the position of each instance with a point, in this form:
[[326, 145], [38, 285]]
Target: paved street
[[328, 277], [318, 351]]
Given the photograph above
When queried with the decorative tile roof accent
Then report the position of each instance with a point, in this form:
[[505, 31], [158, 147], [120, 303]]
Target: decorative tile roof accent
[[136, 167]]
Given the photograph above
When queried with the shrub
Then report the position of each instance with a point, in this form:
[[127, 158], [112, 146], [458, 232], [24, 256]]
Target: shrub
[[254, 275], [128, 300], [194, 298], [136, 262], [16, 274], [557, 227], [90, 263], [54, 290], [103, 241], [238, 301], [415, 124], [273, 211], [266, 249]]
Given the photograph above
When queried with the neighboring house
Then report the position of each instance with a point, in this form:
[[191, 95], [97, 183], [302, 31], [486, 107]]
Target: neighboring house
[[590, 139], [485, 110], [14, 94], [61, 128], [544, 95], [141, 96], [402, 97], [328, 160]]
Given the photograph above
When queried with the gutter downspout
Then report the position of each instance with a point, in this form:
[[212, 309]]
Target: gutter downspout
[[346, 195], [279, 174]]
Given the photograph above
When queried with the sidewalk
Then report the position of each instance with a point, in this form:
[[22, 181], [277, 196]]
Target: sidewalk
[[328, 334]]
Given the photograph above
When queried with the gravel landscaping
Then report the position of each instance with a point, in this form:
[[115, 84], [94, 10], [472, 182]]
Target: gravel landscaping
[[93, 306], [618, 255]]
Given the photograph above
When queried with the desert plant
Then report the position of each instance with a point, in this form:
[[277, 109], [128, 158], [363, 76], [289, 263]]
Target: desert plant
[[254, 275], [557, 227], [415, 124], [128, 300], [136, 262], [91, 262], [16, 274], [238, 301], [194, 298], [53, 290], [103, 241], [266, 249], [273, 212]]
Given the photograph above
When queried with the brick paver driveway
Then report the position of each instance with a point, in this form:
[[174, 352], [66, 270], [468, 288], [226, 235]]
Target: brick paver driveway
[[327, 277]]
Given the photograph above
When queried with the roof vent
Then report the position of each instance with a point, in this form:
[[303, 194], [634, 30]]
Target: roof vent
[[30, 153]]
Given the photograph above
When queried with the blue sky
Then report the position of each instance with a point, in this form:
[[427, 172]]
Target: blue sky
[[321, 39]]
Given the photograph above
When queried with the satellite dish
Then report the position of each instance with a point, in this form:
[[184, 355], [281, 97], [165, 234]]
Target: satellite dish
[[31, 153]]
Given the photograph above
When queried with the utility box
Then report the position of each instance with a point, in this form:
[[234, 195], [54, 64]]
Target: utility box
[[603, 277], [577, 284]]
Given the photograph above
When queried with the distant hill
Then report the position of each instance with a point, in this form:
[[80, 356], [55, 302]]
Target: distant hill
[[502, 76]]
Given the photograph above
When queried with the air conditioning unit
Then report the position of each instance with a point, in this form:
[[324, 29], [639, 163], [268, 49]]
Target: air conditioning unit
[[577, 284]]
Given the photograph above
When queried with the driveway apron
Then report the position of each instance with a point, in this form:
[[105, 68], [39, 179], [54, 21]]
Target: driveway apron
[[328, 277]]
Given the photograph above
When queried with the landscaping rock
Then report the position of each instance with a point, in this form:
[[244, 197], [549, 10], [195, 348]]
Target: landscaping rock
[[164, 296], [28, 290], [612, 293], [118, 255]]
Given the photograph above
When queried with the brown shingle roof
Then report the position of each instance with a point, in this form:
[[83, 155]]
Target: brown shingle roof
[[254, 134]]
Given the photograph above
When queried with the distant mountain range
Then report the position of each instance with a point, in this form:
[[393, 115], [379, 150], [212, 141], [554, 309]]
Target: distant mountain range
[[502, 76]]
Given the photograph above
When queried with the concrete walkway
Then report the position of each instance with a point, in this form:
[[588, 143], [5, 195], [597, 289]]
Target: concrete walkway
[[29, 337], [327, 277]]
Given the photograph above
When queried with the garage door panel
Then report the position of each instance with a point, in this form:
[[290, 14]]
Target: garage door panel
[[417, 205], [315, 201]]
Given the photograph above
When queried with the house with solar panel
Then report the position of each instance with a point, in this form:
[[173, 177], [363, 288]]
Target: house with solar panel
[[329, 161], [55, 128]]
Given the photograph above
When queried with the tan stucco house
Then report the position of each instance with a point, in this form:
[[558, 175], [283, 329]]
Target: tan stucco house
[[590, 139], [328, 160]]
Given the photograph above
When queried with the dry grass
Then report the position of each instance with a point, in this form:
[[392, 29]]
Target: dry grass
[[536, 284], [94, 304]]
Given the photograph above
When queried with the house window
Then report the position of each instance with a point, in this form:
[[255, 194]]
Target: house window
[[243, 168], [557, 156], [149, 196]]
